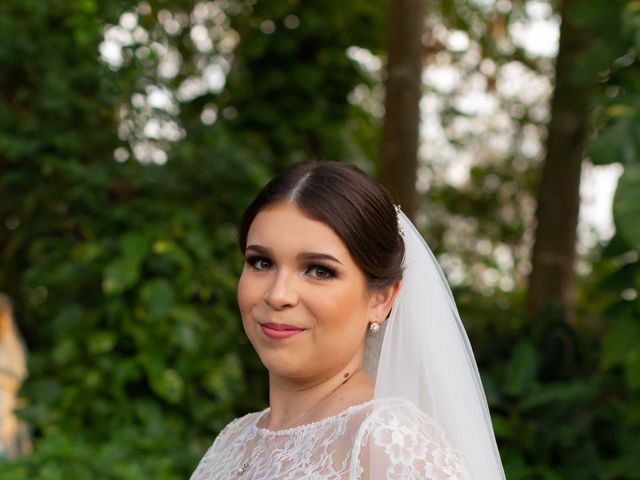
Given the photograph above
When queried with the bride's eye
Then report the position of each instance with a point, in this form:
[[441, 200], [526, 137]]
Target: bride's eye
[[321, 272], [258, 263]]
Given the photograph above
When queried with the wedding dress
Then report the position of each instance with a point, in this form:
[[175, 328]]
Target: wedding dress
[[390, 436]]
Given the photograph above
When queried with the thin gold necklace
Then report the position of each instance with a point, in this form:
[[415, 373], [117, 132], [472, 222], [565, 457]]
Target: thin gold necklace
[[245, 466]]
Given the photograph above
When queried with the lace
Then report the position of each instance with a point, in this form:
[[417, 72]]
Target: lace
[[405, 443], [306, 426], [399, 442]]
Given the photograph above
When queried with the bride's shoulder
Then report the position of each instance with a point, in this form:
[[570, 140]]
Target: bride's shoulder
[[398, 413], [237, 427], [401, 437]]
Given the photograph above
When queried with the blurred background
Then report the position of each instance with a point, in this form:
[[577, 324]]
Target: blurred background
[[133, 134]]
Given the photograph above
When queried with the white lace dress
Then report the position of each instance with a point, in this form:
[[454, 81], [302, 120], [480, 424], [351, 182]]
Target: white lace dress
[[393, 441]]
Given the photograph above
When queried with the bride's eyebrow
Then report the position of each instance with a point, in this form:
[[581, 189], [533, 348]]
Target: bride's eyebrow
[[258, 249], [318, 256], [301, 256]]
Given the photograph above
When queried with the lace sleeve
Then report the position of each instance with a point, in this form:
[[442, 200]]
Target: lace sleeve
[[398, 442]]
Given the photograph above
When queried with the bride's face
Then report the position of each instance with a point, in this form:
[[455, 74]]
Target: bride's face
[[304, 301]]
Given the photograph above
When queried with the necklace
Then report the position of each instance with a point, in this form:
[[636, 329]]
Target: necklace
[[245, 465], [242, 469]]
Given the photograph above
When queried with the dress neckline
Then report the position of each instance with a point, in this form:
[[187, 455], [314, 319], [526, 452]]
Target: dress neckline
[[306, 426]]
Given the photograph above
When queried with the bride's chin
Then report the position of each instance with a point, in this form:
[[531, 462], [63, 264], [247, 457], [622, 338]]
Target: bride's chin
[[281, 364], [293, 368]]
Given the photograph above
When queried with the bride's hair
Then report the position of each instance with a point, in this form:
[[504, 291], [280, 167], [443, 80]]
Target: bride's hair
[[358, 209]]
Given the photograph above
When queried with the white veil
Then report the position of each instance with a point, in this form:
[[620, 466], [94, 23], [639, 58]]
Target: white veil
[[422, 353]]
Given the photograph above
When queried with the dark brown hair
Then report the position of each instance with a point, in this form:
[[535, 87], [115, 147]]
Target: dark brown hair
[[358, 209]]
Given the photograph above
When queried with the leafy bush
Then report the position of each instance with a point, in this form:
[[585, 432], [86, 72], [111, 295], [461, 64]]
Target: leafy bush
[[124, 275]]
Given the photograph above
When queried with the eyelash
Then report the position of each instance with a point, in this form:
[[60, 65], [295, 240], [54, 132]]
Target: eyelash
[[331, 273], [251, 260]]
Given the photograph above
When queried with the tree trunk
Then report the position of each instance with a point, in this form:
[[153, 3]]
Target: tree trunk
[[399, 151], [552, 278]]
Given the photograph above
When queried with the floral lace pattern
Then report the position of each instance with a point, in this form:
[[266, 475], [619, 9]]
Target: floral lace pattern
[[398, 442], [389, 441]]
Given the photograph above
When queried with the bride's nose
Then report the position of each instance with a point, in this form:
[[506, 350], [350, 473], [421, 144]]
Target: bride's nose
[[282, 291]]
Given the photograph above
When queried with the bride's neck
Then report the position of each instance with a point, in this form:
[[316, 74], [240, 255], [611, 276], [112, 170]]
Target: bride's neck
[[294, 402]]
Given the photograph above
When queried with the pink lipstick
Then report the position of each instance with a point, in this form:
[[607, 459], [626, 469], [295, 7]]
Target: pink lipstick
[[279, 331]]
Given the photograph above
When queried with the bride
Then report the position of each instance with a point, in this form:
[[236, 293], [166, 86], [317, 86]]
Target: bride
[[371, 375]]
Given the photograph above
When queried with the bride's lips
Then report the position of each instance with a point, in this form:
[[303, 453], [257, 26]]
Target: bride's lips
[[279, 331]]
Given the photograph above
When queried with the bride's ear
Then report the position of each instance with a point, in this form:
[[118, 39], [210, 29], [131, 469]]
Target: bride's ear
[[382, 301]]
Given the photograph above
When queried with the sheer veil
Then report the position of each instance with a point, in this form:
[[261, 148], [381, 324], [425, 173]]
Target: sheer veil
[[422, 354]]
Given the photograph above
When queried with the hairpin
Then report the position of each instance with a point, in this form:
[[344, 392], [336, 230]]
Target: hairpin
[[400, 227]]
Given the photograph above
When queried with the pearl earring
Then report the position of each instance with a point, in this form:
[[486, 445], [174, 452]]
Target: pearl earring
[[374, 327]]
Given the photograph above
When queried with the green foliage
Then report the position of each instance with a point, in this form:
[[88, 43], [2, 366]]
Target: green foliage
[[129, 455], [291, 87], [124, 285], [626, 205], [124, 275], [617, 121], [564, 399]]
